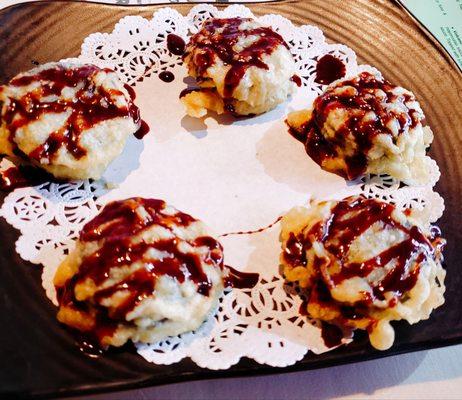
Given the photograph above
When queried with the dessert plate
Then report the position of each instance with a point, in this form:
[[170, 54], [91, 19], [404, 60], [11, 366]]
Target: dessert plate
[[36, 342]]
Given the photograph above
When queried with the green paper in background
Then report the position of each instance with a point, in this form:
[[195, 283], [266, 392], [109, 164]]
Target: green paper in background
[[443, 19]]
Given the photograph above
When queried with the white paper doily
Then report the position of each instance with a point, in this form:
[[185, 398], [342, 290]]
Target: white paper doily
[[234, 175]]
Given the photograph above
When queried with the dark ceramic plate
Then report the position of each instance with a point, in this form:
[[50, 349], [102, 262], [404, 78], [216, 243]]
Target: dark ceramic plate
[[40, 358]]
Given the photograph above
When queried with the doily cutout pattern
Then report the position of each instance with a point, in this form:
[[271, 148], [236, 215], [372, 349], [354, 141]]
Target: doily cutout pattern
[[262, 323]]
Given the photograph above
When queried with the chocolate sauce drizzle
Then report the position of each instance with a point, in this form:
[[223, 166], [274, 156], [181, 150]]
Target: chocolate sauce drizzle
[[166, 76], [115, 228], [349, 219], [241, 280], [175, 44], [362, 130], [329, 69], [22, 176], [142, 131], [331, 334], [186, 91], [253, 231], [297, 80], [91, 105], [89, 348], [218, 37]]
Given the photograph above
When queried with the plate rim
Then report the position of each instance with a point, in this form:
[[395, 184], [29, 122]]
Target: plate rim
[[263, 370]]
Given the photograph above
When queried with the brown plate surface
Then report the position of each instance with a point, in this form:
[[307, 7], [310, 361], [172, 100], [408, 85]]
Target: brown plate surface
[[39, 358]]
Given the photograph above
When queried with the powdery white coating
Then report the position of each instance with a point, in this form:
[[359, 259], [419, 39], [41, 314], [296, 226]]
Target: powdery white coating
[[399, 151], [413, 306], [258, 91], [102, 142], [173, 307]]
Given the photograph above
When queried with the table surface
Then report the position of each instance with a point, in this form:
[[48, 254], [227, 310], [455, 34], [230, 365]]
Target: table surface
[[433, 374]]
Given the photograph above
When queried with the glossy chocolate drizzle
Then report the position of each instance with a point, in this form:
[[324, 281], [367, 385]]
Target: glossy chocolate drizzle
[[115, 228], [218, 37], [175, 44], [331, 334], [252, 231], [90, 105], [362, 130], [329, 69], [349, 219], [166, 76], [241, 280], [143, 129], [297, 80], [22, 176], [87, 347], [187, 91]]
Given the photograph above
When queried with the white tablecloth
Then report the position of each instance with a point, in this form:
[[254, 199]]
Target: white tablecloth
[[434, 374]]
